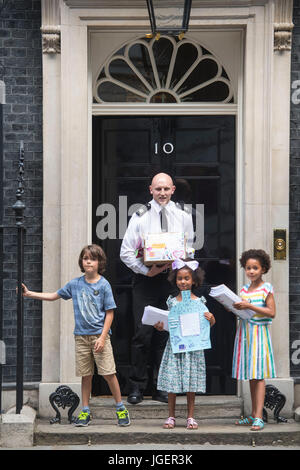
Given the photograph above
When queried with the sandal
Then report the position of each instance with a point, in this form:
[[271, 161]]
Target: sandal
[[257, 423], [244, 421], [191, 424], [169, 423]]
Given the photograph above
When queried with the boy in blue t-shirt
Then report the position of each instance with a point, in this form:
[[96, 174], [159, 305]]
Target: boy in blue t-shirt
[[93, 305]]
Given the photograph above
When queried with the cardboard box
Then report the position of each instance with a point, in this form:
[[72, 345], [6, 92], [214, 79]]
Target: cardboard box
[[165, 247]]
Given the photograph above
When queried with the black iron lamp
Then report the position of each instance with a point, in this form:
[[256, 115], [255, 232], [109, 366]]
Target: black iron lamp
[[169, 16]]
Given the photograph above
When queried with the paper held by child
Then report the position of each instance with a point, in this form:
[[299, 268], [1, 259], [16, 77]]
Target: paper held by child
[[153, 315], [227, 298]]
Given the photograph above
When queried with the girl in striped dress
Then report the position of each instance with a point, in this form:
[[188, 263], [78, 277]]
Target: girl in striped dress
[[253, 357]]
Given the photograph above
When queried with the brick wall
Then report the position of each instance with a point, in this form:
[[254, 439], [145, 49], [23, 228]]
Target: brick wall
[[294, 242], [21, 71]]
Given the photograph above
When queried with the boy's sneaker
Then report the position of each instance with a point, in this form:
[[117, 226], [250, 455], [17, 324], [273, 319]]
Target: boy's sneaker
[[123, 417], [83, 419]]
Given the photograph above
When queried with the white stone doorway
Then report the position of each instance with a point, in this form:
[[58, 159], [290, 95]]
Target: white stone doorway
[[242, 38]]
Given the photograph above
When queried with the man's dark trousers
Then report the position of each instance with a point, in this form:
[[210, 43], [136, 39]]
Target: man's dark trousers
[[148, 344]]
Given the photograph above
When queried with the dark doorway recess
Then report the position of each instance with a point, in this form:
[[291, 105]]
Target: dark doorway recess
[[199, 153]]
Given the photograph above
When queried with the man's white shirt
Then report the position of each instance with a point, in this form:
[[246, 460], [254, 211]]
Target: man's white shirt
[[140, 225]]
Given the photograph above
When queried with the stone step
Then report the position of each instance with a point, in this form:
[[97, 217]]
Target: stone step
[[214, 432], [206, 407]]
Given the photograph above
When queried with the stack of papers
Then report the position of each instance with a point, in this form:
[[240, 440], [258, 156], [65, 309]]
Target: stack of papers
[[153, 315], [227, 298]]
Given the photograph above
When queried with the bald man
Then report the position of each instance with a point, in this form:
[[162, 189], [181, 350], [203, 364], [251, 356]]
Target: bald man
[[150, 285]]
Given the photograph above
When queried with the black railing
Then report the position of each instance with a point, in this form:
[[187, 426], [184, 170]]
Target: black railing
[[2, 360], [18, 208], [1, 244]]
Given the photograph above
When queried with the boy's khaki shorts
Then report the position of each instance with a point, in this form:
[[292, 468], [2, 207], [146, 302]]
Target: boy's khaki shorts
[[86, 356]]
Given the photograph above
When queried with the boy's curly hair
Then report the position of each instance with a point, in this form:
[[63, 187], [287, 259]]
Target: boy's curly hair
[[96, 253], [197, 275], [259, 255]]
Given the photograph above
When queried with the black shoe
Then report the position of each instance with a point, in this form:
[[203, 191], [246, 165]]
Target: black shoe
[[160, 396], [135, 397]]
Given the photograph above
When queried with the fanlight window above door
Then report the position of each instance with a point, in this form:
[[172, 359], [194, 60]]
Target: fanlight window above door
[[163, 71]]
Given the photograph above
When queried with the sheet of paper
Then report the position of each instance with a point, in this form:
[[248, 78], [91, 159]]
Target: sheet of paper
[[227, 298], [153, 315], [190, 324]]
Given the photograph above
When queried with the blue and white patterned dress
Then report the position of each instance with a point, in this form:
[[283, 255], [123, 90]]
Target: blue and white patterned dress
[[181, 372]]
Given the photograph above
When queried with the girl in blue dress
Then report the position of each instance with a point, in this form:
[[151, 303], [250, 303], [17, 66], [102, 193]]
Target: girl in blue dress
[[183, 372]]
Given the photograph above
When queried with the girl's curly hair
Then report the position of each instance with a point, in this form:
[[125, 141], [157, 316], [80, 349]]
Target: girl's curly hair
[[259, 255], [197, 275], [96, 253]]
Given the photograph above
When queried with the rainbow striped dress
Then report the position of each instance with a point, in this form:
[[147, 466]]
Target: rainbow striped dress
[[253, 356]]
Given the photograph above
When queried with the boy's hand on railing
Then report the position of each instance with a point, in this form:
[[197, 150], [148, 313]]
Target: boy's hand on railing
[[25, 291]]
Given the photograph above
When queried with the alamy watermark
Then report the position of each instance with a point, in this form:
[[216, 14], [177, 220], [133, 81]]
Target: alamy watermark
[[296, 93], [295, 355], [2, 353], [107, 226]]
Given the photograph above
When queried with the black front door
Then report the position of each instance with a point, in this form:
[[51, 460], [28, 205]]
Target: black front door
[[199, 153]]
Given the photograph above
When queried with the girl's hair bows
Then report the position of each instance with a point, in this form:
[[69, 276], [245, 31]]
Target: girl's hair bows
[[179, 263]]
